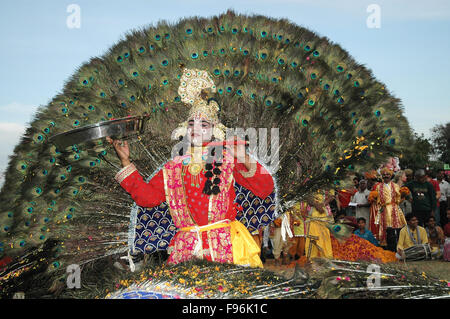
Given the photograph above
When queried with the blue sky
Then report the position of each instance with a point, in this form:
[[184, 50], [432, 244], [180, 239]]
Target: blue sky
[[410, 52]]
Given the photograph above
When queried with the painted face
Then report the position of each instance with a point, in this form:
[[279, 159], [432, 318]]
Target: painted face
[[199, 131]]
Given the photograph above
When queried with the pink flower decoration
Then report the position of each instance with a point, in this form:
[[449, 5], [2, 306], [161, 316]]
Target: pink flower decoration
[[338, 278], [347, 278]]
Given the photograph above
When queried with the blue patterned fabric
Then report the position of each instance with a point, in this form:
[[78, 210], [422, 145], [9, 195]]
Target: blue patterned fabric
[[155, 228]]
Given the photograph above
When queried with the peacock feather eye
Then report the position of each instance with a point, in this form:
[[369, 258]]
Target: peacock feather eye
[[280, 61], [307, 48], [119, 58], [305, 122], [356, 84], [234, 31], [85, 82], [157, 37], [253, 96], [336, 92], [388, 132], [287, 41], [239, 92], [326, 87], [126, 55], [313, 76], [237, 73], [280, 37], [151, 47], [132, 98], [226, 72], [141, 49], [392, 141], [294, 64], [205, 53], [349, 76], [360, 132], [64, 110], [311, 102], [341, 100], [377, 113], [22, 243], [316, 53], [263, 34], [339, 68], [91, 107], [38, 190], [300, 95], [189, 31], [194, 55], [165, 62], [165, 82], [56, 264], [102, 94], [229, 89], [220, 91], [76, 123], [42, 237], [263, 56], [135, 74]]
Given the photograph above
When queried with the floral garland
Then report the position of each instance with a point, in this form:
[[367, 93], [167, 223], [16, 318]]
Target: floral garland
[[359, 249]]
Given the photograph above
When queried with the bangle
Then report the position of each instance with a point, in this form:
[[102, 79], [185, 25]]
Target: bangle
[[251, 172], [125, 172]]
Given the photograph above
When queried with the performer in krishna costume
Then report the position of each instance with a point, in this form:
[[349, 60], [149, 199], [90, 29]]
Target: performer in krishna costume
[[202, 207]]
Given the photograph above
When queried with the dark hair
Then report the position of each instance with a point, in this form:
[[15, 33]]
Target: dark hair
[[409, 216], [361, 219], [431, 217]]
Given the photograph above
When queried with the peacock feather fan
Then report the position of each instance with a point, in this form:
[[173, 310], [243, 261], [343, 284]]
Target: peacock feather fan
[[333, 118]]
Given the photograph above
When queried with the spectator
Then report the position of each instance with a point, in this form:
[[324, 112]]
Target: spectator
[[409, 175], [361, 200], [430, 179], [435, 233], [280, 247], [365, 233], [400, 178], [343, 199], [445, 197], [424, 197], [410, 235]]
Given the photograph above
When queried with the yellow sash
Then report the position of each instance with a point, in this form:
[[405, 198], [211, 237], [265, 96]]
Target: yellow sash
[[245, 250]]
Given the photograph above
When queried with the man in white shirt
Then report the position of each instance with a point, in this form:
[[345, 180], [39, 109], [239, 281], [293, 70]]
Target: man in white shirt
[[360, 199], [444, 199]]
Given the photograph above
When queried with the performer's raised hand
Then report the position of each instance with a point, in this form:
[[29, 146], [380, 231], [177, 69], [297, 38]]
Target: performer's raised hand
[[122, 150]]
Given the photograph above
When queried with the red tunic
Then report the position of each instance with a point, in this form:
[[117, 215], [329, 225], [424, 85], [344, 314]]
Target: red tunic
[[152, 193]]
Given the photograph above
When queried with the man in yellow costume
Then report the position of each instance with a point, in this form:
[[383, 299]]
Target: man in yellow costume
[[318, 240]]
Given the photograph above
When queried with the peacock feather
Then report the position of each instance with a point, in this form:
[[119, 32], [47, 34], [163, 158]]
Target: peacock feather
[[333, 118]]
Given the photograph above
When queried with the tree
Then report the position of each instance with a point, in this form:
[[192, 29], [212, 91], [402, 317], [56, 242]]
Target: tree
[[417, 155], [440, 139]]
